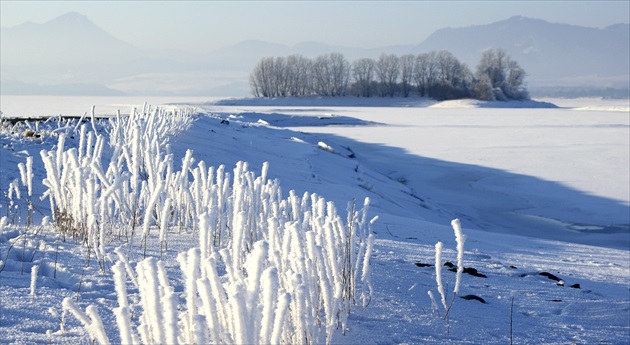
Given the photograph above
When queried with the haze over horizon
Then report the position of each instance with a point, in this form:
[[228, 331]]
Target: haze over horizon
[[209, 48], [205, 25]]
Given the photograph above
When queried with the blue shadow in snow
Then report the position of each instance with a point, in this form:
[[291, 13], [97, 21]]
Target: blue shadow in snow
[[487, 198], [470, 192], [287, 121]]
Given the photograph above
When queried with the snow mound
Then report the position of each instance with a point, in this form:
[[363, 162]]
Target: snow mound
[[348, 101], [377, 102], [282, 120], [604, 108], [474, 103]]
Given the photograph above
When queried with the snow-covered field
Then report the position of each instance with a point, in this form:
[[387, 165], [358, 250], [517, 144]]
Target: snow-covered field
[[538, 189]]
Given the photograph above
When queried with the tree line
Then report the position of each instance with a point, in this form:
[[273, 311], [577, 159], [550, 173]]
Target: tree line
[[437, 74]]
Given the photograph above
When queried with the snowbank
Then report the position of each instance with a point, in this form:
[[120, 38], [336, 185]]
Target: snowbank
[[474, 103], [348, 101], [377, 102]]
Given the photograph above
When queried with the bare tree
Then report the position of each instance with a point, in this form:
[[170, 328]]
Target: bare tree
[[331, 73], [262, 78], [406, 73], [363, 74], [503, 74], [492, 64], [280, 78], [340, 70], [425, 73], [298, 76], [447, 65], [454, 77], [387, 71], [483, 89], [254, 86], [322, 76], [515, 88], [439, 75]]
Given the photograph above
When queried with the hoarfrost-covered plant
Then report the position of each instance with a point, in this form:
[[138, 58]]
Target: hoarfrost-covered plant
[[4, 221], [438, 273], [90, 320], [460, 238], [292, 269], [26, 174], [93, 194], [34, 272], [268, 269]]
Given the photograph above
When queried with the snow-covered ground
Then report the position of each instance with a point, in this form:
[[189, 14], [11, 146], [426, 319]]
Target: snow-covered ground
[[538, 189], [548, 172]]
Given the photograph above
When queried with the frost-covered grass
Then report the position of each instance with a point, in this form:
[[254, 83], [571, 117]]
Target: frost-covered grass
[[267, 269], [415, 195]]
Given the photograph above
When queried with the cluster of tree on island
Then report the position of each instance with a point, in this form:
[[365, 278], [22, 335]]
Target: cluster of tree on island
[[439, 75]]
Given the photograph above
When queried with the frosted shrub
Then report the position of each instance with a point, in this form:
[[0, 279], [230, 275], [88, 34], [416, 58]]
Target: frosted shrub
[[293, 258], [291, 269], [268, 269], [94, 195]]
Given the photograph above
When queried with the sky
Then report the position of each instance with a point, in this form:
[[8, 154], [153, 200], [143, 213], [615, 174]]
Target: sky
[[199, 25]]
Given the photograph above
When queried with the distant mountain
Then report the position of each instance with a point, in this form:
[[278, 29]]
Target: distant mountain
[[69, 39], [551, 53], [71, 54], [70, 51]]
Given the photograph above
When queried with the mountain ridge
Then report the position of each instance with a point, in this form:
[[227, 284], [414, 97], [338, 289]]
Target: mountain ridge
[[545, 50], [76, 50], [69, 38]]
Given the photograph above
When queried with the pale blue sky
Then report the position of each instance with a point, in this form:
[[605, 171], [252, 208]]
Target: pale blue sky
[[193, 25]]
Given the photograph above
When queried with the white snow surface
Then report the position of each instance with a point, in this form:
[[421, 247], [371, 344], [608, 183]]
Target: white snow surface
[[537, 189]]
